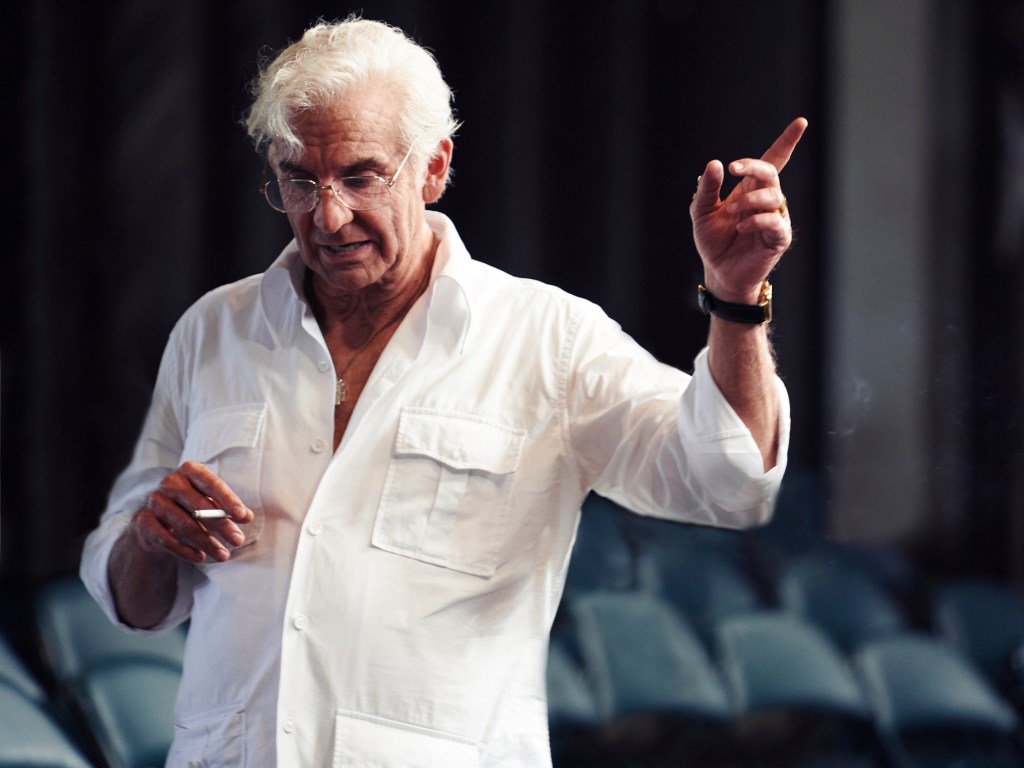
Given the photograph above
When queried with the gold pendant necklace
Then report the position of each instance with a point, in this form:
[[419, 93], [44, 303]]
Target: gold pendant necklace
[[340, 388]]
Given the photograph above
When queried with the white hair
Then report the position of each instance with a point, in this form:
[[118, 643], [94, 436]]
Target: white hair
[[333, 58]]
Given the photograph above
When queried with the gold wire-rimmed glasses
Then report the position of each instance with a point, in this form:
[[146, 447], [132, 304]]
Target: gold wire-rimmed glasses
[[359, 193]]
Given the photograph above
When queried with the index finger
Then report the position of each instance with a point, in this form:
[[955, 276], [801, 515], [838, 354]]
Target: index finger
[[781, 151], [216, 490]]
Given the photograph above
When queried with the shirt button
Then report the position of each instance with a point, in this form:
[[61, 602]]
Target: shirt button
[[300, 622], [288, 726], [315, 528], [323, 365], [318, 446]]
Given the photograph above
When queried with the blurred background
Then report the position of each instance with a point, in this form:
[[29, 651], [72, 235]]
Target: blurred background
[[898, 323], [585, 125]]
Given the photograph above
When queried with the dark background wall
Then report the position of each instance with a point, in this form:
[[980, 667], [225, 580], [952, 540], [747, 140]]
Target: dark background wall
[[133, 191]]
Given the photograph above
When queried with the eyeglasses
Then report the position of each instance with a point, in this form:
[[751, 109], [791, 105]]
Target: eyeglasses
[[359, 193]]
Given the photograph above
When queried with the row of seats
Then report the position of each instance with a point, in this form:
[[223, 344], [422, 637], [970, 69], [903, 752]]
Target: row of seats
[[675, 646], [103, 697], [680, 645]]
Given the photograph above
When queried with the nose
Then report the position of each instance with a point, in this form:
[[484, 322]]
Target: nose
[[330, 213]]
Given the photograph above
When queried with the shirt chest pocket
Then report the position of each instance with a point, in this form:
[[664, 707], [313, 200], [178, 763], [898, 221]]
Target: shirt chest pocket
[[229, 441], [447, 490]]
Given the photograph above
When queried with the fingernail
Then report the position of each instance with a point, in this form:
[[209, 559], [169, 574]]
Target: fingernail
[[237, 538], [737, 166]]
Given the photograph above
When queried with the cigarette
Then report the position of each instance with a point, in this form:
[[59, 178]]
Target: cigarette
[[209, 514]]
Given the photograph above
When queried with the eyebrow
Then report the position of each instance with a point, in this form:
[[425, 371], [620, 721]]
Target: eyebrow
[[359, 166]]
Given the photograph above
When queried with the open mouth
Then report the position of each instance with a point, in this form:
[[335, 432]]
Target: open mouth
[[346, 248]]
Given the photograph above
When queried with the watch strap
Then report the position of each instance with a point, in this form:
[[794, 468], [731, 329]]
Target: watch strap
[[753, 314]]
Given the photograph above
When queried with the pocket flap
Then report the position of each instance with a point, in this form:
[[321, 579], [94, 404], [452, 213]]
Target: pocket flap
[[459, 441], [217, 430], [362, 741], [213, 738]]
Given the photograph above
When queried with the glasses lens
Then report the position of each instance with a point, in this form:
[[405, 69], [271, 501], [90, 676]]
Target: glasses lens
[[360, 193], [291, 195], [363, 193]]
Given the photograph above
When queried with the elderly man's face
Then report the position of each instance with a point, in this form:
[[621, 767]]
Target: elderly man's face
[[348, 250]]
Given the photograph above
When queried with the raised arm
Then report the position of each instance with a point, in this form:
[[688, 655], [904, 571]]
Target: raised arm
[[740, 239]]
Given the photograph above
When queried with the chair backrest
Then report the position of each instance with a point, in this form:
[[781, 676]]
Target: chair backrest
[[985, 621], [15, 673], [30, 738], [601, 557], [75, 633], [918, 682], [774, 660], [571, 703], [703, 583], [796, 699], [842, 600], [643, 659], [932, 707], [129, 707]]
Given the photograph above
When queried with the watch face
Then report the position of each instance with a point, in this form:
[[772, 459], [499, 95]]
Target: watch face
[[703, 301]]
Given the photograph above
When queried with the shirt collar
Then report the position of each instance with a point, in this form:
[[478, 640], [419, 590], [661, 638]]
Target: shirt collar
[[285, 309], [450, 310], [282, 297]]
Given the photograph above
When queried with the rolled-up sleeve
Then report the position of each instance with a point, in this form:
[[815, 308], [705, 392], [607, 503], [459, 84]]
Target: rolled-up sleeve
[[722, 453], [93, 572], [664, 443]]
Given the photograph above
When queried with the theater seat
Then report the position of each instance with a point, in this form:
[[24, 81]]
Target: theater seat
[[933, 708], [984, 620], [15, 674], [30, 738], [840, 599], [571, 704], [704, 582], [601, 558], [795, 695], [129, 707], [650, 675], [120, 685], [75, 634], [572, 712]]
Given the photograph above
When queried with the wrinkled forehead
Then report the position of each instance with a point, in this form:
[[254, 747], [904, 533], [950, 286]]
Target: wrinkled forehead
[[367, 116]]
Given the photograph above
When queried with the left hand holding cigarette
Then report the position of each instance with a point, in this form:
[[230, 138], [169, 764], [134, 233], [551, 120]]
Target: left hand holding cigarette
[[192, 515]]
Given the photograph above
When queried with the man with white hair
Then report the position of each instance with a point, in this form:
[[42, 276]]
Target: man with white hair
[[362, 470]]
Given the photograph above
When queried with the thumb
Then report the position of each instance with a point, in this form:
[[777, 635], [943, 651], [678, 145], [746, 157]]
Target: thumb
[[709, 189]]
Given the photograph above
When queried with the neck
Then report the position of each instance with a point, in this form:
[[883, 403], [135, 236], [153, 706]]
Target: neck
[[354, 318]]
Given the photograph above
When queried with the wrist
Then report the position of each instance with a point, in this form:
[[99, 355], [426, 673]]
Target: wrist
[[757, 311], [735, 294]]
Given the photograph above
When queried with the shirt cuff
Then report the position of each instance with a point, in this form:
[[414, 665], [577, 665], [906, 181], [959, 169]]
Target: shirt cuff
[[93, 572], [722, 451]]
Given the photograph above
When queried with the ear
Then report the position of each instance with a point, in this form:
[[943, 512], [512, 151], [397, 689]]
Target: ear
[[437, 171], [270, 157]]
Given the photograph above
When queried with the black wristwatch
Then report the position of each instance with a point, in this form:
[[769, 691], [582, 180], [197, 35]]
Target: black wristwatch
[[754, 314]]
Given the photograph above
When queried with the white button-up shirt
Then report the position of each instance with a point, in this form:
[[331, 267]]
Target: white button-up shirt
[[392, 602]]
